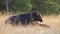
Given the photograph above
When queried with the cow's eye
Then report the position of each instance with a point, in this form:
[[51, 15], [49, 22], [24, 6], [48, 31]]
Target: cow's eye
[[37, 14]]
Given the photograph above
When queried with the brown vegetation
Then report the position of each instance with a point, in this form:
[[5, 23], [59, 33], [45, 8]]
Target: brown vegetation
[[52, 21]]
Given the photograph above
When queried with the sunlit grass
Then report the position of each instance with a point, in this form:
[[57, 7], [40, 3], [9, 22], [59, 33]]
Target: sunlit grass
[[52, 21]]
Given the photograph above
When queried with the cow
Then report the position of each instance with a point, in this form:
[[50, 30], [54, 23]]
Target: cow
[[25, 18]]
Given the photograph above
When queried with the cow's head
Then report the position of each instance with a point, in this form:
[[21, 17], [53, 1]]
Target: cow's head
[[36, 16]]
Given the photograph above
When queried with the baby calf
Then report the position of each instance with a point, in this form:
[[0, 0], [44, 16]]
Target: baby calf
[[25, 18]]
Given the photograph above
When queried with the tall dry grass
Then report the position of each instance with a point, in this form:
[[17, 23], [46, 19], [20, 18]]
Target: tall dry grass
[[52, 21]]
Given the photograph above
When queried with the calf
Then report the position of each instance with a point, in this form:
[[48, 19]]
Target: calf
[[25, 18]]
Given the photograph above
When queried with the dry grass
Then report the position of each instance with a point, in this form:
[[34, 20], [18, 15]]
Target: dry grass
[[52, 21]]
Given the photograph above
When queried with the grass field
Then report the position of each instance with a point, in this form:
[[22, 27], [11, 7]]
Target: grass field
[[52, 21]]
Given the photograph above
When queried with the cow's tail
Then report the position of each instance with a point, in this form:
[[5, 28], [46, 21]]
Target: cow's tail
[[7, 21]]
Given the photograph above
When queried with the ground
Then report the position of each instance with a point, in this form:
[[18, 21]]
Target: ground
[[52, 21]]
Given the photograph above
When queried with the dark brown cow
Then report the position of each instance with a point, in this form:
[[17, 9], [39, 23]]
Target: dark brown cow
[[25, 18]]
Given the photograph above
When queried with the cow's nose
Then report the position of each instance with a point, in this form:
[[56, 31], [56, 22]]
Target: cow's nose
[[41, 20]]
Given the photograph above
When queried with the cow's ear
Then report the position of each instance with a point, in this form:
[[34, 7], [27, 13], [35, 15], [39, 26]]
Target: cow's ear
[[38, 13]]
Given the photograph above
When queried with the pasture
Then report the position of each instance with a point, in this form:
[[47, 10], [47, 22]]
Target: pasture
[[52, 21]]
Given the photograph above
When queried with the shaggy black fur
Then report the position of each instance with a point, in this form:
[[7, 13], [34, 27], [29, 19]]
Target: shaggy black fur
[[25, 18]]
